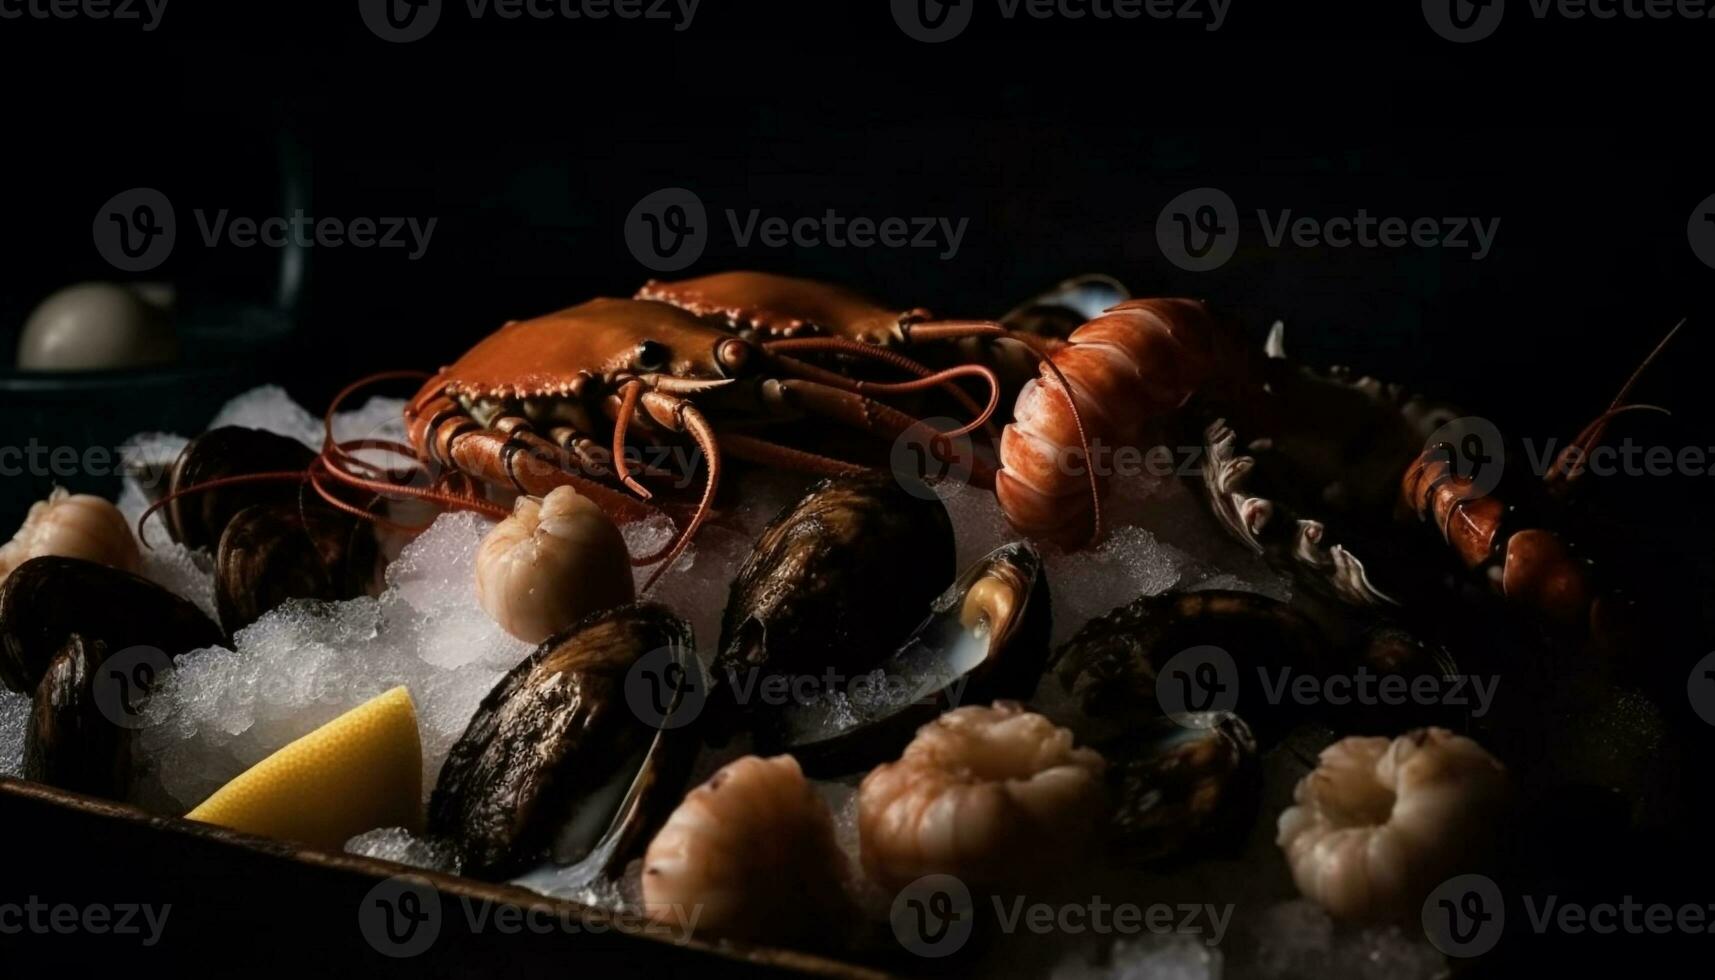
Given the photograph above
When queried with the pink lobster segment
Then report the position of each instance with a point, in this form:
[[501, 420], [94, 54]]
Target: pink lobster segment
[[1134, 363]]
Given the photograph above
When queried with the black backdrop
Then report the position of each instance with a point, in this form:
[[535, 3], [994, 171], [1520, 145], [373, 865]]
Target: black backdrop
[[1060, 142]]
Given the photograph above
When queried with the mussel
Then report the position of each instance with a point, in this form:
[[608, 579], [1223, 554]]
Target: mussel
[[1111, 666], [273, 552], [69, 742], [198, 519], [45, 601], [557, 765], [1180, 782], [834, 582], [985, 638]]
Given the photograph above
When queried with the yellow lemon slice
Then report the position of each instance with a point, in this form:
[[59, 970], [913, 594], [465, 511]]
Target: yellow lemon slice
[[361, 771]]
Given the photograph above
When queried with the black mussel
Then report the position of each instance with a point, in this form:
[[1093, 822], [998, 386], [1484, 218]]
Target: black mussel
[[558, 764], [1181, 782], [47, 600], [197, 519], [986, 638], [834, 582], [69, 742], [1112, 666], [273, 552]]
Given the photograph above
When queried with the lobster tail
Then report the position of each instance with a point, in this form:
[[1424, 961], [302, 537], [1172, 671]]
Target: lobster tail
[[1115, 374]]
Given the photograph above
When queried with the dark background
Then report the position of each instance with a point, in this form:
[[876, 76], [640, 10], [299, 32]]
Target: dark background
[[1060, 142]]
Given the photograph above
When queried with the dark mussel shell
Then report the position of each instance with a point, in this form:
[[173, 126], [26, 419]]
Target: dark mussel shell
[[69, 742], [834, 582], [273, 552], [556, 765], [47, 600], [1180, 782], [1111, 665], [986, 638], [198, 519]]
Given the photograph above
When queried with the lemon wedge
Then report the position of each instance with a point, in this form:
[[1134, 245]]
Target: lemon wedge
[[361, 771]]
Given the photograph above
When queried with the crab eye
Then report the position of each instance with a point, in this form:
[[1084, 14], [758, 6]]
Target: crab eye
[[733, 355], [651, 356]]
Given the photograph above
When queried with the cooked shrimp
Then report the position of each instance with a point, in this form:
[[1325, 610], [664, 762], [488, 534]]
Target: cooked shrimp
[[991, 795], [752, 853]]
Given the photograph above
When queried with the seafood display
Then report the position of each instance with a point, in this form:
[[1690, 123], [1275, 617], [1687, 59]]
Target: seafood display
[[1065, 681], [753, 849], [995, 796], [1380, 823]]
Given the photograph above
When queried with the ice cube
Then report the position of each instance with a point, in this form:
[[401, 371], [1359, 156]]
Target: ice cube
[[14, 716], [403, 847]]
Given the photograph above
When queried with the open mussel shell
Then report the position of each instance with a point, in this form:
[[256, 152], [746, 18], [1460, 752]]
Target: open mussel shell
[[273, 552], [1113, 666], [557, 764], [833, 583], [1180, 782], [45, 601], [986, 638], [69, 742], [1068, 306], [198, 519]]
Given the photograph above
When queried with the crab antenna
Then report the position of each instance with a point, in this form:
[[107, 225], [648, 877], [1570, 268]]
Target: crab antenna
[[629, 395]]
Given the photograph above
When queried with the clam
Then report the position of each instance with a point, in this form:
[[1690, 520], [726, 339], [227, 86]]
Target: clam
[[69, 743], [1111, 666], [273, 552], [985, 639], [1178, 782], [557, 765], [197, 519], [47, 600], [834, 582]]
